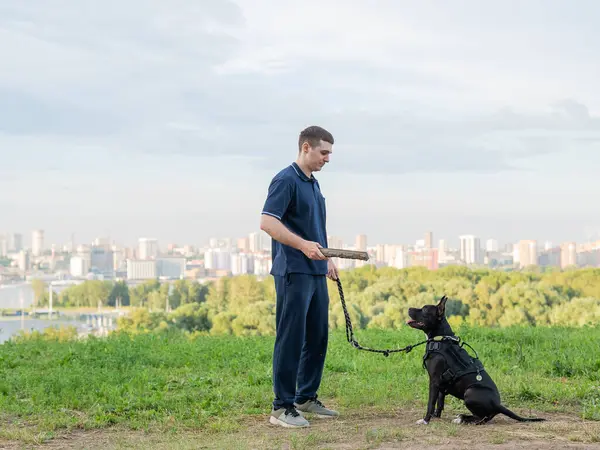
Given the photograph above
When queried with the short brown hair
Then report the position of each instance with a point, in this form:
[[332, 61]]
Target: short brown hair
[[314, 135]]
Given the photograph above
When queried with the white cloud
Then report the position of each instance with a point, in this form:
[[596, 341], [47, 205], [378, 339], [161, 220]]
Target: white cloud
[[148, 91]]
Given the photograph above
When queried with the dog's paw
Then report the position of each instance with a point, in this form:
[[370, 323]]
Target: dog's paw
[[422, 422], [458, 419]]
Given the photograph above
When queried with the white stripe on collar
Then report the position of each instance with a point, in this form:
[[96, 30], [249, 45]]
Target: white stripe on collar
[[311, 178]]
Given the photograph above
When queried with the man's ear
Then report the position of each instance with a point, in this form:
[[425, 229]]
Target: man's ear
[[442, 307]]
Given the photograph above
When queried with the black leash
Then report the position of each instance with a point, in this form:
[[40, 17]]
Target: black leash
[[350, 331], [386, 353]]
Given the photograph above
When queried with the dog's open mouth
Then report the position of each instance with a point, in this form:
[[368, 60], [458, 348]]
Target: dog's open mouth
[[415, 324]]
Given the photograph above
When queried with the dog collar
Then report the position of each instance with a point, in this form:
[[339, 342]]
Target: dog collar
[[445, 338]]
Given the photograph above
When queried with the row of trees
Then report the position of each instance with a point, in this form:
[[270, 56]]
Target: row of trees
[[151, 294], [244, 305]]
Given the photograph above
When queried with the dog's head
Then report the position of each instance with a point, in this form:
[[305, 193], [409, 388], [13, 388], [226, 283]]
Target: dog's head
[[430, 318]]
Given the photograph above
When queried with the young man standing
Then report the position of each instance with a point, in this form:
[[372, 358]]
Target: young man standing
[[294, 215]]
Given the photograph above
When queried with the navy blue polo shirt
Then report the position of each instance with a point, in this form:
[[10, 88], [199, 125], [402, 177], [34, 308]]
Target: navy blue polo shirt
[[296, 200]]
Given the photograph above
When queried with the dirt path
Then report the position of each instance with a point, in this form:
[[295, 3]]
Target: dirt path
[[368, 431]]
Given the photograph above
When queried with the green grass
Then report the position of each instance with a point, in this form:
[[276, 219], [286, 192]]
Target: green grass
[[173, 382]]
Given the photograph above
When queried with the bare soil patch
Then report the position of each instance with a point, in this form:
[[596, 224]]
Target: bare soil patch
[[396, 430]]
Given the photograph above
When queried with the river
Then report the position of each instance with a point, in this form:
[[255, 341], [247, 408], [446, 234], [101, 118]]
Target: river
[[11, 296], [17, 296], [11, 326]]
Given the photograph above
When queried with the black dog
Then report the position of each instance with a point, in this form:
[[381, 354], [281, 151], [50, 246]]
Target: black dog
[[453, 371]]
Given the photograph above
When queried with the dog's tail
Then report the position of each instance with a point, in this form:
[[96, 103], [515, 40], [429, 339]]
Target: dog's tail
[[512, 415]]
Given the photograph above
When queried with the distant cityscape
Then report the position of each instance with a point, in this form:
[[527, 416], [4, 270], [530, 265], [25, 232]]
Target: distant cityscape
[[251, 254]]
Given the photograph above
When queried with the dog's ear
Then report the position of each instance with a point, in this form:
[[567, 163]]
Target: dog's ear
[[442, 307]]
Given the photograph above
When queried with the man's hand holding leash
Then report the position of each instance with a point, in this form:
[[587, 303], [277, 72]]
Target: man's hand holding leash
[[332, 271]]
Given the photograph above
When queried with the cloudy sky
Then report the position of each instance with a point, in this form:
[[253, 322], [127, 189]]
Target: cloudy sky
[[168, 119]]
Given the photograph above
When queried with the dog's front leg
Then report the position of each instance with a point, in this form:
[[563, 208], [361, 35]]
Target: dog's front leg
[[440, 405], [434, 392]]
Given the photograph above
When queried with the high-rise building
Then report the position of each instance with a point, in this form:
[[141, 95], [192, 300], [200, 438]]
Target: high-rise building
[[401, 259], [16, 239], [549, 257], [11, 243], [259, 241], [361, 242], [24, 261], [261, 265], [491, 245], [148, 248], [380, 255], [119, 258], [217, 259], [103, 242], [142, 270], [568, 254], [79, 266], [243, 244], [70, 247], [442, 248], [360, 245], [335, 242], [242, 263], [470, 249], [426, 257], [390, 253], [101, 260], [130, 253], [170, 267], [37, 242], [588, 254], [527, 253], [428, 239]]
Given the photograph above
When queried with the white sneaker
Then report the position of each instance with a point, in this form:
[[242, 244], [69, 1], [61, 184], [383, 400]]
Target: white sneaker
[[288, 417], [314, 406]]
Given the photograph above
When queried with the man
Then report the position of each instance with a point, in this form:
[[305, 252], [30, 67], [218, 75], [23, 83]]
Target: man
[[294, 216]]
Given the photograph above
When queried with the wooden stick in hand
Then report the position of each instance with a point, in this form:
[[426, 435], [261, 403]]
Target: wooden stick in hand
[[345, 254]]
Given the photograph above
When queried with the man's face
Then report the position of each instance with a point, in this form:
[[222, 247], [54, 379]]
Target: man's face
[[317, 157]]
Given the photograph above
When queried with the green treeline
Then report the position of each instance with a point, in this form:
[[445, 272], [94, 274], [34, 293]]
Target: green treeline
[[376, 298]]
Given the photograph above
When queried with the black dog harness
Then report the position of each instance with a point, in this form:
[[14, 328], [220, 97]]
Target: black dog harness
[[457, 359]]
